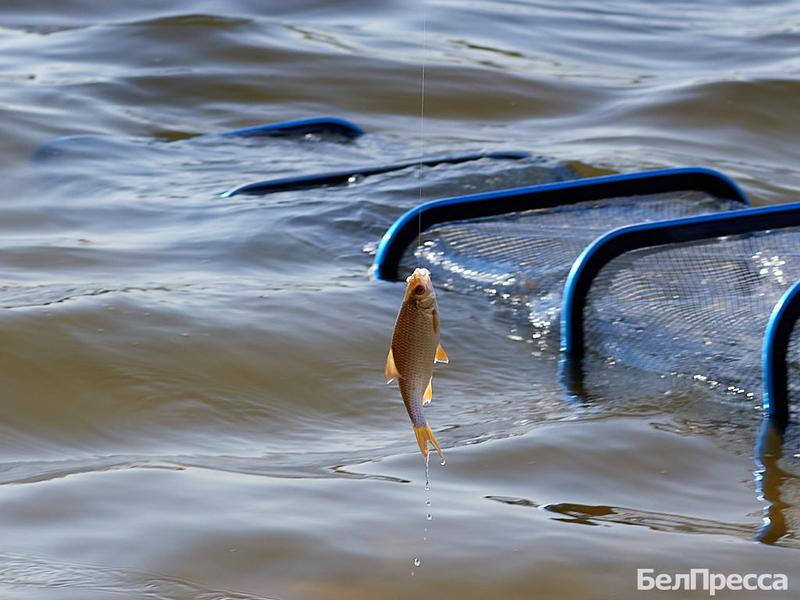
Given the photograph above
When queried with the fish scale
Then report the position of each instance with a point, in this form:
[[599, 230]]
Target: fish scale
[[414, 344]]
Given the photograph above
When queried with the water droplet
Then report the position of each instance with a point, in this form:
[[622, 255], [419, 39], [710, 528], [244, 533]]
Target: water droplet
[[428, 516], [427, 502], [427, 486], [442, 462], [417, 562]]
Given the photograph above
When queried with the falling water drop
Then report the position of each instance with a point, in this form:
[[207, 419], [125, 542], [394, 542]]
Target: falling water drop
[[418, 560], [442, 462]]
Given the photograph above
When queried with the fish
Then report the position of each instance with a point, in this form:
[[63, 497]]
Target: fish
[[415, 348]]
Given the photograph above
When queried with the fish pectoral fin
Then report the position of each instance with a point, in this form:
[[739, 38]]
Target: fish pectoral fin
[[390, 371], [428, 395], [441, 355], [425, 435]]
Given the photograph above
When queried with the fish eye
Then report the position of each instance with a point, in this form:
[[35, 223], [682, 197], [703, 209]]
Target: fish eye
[[420, 289]]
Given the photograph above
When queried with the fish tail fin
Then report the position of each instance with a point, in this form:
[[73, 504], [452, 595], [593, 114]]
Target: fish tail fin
[[425, 435]]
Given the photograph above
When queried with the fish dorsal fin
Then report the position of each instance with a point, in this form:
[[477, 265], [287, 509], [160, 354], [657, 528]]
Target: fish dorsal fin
[[428, 395], [441, 355], [390, 371]]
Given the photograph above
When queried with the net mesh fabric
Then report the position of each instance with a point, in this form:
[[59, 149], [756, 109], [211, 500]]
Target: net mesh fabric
[[793, 369], [697, 310], [525, 257]]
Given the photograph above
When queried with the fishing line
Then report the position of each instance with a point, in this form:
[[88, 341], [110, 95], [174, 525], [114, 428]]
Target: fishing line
[[421, 133], [417, 562]]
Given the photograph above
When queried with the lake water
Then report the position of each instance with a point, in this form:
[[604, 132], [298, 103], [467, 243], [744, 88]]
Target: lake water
[[193, 402]]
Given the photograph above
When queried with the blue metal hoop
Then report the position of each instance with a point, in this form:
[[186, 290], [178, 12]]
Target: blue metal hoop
[[613, 244], [633, 237], [406, 229], [776, 346], [318, 125], [304, 182]]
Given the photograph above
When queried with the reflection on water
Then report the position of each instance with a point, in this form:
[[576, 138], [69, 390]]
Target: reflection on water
[[586, 514], [771, 481]]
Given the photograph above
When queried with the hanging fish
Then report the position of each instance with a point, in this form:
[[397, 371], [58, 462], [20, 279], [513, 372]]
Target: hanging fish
[[415, 347]]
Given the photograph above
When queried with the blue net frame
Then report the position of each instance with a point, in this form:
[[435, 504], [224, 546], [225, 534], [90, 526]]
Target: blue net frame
[[775, 364], [407, 228], [637, 237]]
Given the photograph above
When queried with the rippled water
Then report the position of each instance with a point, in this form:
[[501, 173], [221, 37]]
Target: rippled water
[[193, 404]]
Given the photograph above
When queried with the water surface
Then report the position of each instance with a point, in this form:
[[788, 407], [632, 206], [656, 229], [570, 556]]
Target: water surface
[[192, 390]]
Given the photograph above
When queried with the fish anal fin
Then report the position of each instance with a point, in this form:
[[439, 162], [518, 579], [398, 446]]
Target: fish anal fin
[[390, 371], [428, 395], [425, 435], [441, 355]]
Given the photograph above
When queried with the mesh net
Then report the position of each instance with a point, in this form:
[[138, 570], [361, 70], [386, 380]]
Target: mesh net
[[694, 310], [793, 366], [524, 257]]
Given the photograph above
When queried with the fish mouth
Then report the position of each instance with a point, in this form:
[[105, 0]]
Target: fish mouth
[[420, 288], [420, 275]]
